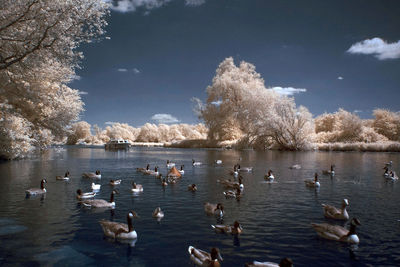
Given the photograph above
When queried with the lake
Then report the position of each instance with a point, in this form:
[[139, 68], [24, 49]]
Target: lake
[[276, 217]]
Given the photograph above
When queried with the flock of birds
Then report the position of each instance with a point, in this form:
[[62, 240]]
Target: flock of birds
[[122, 231]]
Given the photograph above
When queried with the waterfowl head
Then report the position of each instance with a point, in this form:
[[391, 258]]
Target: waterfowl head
[[215, 255], [132, 214], [316, 177], [148, 167], [236, 225], [345, 202], [133, 184], [220, 207], [79, 192], [286, 262], [97, 172], [182, 167], [355, 222], [66, 174], [193, 160], [42, 183]]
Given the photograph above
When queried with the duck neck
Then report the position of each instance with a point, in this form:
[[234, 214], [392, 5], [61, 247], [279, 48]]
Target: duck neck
[[352, 230], [130, 224], [112, 197], [42, 185]]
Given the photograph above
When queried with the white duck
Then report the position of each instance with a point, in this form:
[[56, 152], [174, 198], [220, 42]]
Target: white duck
[[158, 213], [96, 186], [285, 262], [196, 163], [101, 203], [335, 213], [313, 182], [235, 229], [210, 208], [137, 188], [65, 178], [119, 230], [201, 258], [97, 174], [80, 195], [37, 191], [269, 176], [337, 232]]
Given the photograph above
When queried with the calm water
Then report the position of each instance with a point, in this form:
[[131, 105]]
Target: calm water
[[56, 230]]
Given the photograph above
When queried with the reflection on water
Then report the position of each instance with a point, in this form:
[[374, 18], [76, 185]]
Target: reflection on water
[[56, 230]]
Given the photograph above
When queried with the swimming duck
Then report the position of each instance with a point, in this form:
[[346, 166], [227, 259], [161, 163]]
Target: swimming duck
[[285, 262], [196, 163], [158, 213], [232, 184], [144, 170], [337, 232], [235, 171], [192, 188], [96, 186], [153, 173], [329, 172], [101, 203], [335, 213], [80, 195], [295, 167], [115, 182], [235, 194], [170, 164], [37, 191], [136, 188], [97, 174], [119, 230], [218, 161], [313, 182], [235, 229], [210, 208], [164, 182], [269, 176], [182, 171], [391, 176], [201, 258], [65, 178]]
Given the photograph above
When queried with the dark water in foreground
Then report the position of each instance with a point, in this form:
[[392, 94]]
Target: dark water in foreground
[[57, 231]]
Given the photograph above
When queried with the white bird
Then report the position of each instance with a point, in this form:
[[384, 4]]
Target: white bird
[[158, 213], [37, 191], [337, 232], [218, 162], [96, 186], [119, 230], [196, 163], [269, 176], [335, 213]]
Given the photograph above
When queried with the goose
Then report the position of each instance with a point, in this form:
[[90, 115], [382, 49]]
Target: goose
[[96, 186], [335, 213], [37, 191], [313, 182], [285, 262], [65, 178], [295, 167], [115, 182], [235, 229], [80, 195], [164, 182], [136, 188], [218, 161], [391, 176], [158, 213], [101, 203], [192, 187], [170, 164], [235, 171], [231, 184], [329, 172], [153, 173], [235, 194], [119, 230], [182, 171], [269, 176], [144, 170], [201, 258], [210, 208], [196, 163], [337, 232], [97, 174]]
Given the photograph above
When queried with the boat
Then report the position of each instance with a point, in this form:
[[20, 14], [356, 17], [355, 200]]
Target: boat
[[117, 144]]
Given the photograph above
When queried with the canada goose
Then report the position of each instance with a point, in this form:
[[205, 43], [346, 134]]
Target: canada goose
[[269, 176], [97, 174], [65, 178], [119, 230], [37, 191], [234, 229], [115, 182], [101, 203], [313, 182], [158, 213], [201, 258], [136, 188], [337, 232], [210, 208], [192, 188], [335, 213]]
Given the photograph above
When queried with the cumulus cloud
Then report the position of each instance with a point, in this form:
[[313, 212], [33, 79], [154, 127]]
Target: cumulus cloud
[[288, 90], [340, 78], [83, 93], [194, 2], [377, 47], [122, 70], [164, 118], [131, 5]]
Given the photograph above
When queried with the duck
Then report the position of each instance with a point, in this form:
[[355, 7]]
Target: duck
[[389, 163], [144, 170], [269, 176], [337, 232], [115, 182], [235, 229], [80, 195], [391, 176], [235, 171], [182, 171], [295, 167], [37, 191], [329, 172], [158, 213], [101, 203], [285, 262], [196, 163], [136, 188], [96, 186], [153, 173], [201, 258], [218, 162], [335, 213], [235, 194], [164, 182], [170, 164], [97, 174], [118, 230], [65, 178], [192, 187], [210, 208], [313, 182], [232, 184]]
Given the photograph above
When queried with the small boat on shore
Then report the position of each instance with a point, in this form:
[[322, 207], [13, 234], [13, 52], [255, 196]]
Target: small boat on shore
[[117, 144]]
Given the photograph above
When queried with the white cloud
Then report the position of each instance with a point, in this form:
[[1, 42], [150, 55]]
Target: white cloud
[[216, 103], [340, 78], [83, 93], [194, 2], [288, 90], [110, 123], [357, 111], [136, 71], [164, 118], [108, 37], [377, 47], [122, 70], [131, 5], [76, 77]]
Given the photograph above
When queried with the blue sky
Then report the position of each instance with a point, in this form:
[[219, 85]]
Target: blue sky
[[158, 54]]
